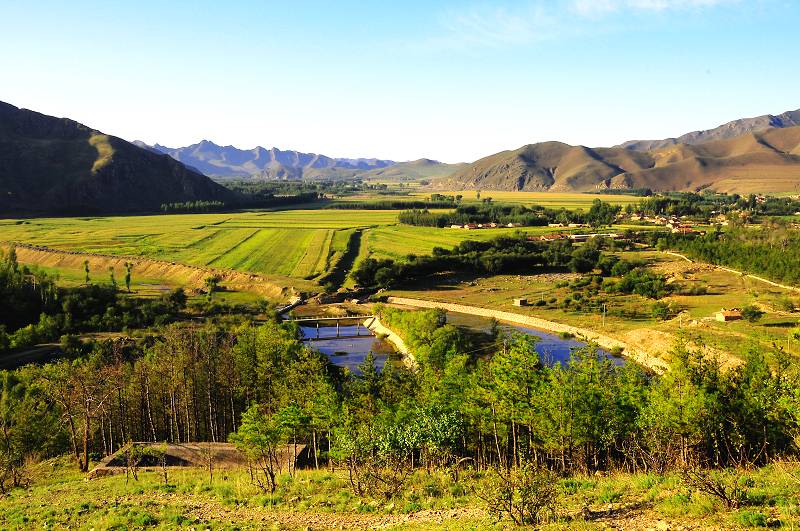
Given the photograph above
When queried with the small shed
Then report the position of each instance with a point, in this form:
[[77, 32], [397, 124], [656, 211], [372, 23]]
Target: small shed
[[733, 314], [520, 302]]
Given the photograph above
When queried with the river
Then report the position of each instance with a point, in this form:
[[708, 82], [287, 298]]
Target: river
[[551, 347], [351, 351]]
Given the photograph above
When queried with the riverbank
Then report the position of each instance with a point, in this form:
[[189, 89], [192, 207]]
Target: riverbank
[[640, 356], [380, 330]]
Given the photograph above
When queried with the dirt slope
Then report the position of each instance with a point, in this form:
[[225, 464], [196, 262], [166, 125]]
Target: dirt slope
[[181, 274]]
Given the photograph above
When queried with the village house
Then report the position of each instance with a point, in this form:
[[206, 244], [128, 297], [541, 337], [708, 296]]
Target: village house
[[734, 314], [547, 237]]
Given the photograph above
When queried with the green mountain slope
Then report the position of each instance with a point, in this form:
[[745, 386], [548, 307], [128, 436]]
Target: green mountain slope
[[413, 170], [57, 165]]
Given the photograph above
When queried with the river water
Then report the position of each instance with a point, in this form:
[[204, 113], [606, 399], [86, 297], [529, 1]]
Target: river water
[[351, 351], [551, 347]]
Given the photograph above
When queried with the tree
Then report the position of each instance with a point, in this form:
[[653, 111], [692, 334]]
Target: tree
[[601, 213], [258, 438], [87, 280], [128, 270], [752, 313], [81, 388], [212, 284], [28, 428], [112, 278]]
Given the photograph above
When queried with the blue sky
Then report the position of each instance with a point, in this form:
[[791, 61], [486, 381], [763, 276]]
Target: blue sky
[[441, 79]]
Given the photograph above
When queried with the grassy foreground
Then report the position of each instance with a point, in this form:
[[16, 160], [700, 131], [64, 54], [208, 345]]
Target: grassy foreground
[[321, 499]]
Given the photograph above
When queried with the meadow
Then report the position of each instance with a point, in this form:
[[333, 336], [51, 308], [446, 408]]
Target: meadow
[[433, 500], [298, 244]]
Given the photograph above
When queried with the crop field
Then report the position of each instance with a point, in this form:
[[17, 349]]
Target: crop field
[[568, 200], [298, 244], [290, 244]]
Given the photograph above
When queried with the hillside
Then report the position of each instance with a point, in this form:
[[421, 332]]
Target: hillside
[[57, 165], [767, 161], [723, 132], [413, 170], [229, 162]]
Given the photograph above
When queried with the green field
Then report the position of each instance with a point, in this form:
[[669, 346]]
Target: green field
[[298, 244], [568, 200], [291, 244]]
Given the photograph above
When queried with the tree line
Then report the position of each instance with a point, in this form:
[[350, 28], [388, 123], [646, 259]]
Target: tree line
[[502, 255], [771, 250], [599, 214], [34, 309], [493, 404]]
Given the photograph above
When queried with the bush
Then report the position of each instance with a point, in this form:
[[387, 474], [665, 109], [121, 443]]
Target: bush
[[661, 311], [751, 519], [528, 495], [728, 486], [752, 313]]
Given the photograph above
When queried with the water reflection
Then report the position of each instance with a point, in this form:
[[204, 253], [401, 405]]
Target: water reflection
[[551, 347], [351, 349]]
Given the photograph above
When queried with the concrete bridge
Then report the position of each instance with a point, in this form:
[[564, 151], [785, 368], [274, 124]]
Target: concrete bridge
[[359, 319]]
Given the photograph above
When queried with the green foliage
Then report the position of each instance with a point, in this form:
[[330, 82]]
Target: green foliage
[[772, 250], [748, 518], [662, 311], [502, 255], [645, 283], [527, 495], [752, 313]]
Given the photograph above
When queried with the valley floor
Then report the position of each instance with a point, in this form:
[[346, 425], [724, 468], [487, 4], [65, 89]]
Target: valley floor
[[628, 317]]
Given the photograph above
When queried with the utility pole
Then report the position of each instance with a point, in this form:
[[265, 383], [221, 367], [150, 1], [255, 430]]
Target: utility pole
[[604, 315]]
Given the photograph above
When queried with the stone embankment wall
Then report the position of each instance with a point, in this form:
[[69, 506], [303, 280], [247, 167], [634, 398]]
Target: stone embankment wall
[[378, 328], [643, 358]]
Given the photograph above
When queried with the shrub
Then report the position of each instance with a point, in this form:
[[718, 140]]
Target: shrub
[[528, 495], [661, 311], [751, 519], [752, 313], [728, 486]]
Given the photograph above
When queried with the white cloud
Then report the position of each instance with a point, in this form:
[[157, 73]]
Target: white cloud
[[599, 7], [485, 26], [493, 27]]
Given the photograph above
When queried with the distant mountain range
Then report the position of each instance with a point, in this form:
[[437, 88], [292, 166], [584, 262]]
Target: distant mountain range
[[57, 165], [229, 162], [414, 170], [723, 132], [760, 154]]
